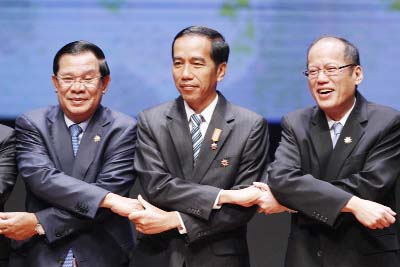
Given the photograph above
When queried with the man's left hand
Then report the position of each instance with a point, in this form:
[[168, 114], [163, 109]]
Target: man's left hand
[[18, 225], [153, 220]]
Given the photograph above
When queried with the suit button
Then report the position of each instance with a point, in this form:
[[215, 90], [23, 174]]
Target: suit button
[[319, 253]]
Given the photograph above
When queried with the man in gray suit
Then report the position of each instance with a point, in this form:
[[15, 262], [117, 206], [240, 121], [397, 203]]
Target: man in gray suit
[[192, 154], [340, 178], [8, 175], [75, 158]]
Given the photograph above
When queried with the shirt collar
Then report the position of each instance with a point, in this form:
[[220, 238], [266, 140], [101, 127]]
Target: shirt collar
[[206, 113], [343, 119], [83, 124]]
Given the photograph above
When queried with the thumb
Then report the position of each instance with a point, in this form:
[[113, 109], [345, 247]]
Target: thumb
[[144, 203]]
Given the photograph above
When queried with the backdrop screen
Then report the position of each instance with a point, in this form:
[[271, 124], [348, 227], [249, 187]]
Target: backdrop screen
[[268, 40]]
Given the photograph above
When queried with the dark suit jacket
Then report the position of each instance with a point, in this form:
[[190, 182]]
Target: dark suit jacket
[[164, 163], [308, 176], [8, 175], [65, 192]]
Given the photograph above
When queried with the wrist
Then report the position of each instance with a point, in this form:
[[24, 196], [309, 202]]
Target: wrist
[[225, 197], [107, 201], [351, 205]]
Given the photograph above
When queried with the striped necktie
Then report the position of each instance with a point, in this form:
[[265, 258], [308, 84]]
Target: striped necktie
[[196, 135], [337, 129], [75, 131]]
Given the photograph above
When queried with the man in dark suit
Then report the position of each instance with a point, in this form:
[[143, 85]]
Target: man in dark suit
[[192, 154], [74, 158], [8, 175], [340, 178]]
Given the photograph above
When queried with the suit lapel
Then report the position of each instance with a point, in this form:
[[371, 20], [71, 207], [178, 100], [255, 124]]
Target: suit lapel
[[61, 139], [178, 127], [348, 139], [220, 119], [90, 143], [320, 138]]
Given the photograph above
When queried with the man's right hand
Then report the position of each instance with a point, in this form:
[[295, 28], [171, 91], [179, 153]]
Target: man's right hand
[[370, 214], [122, 206]]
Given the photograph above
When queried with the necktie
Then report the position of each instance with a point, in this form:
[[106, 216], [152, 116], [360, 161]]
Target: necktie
[[75, 131], [196, 135], [337, 129]]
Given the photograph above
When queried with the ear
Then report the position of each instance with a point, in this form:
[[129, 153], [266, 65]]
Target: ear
[[221, 70], [55, 82], [105, 82], [358, 75]]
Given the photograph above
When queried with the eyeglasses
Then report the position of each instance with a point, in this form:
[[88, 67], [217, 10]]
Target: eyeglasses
[[88, 82], [328, 71]]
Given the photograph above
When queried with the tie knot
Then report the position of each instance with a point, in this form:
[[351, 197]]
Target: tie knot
[[337, 128], [75, 130], [196, 120]]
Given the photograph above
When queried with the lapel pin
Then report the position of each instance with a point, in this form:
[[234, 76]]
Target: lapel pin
[[348, 140], [96, 138], [224, 163], [215, 138]]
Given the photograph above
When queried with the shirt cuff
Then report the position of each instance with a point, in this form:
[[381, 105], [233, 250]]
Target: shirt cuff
[[182, 229], [216, 206]]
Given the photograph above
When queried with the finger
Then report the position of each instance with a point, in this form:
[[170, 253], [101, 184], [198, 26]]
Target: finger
[[261, 185], [135, 215], [144, 203], [3, 215]]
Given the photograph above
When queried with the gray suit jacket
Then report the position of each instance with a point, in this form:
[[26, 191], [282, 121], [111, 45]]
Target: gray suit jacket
[[8, 175], [311, 177], [65, 192], [164, 163]]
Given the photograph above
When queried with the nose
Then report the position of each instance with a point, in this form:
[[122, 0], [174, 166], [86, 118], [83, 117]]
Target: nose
[[186, 72], [322, 77], [77, 86]]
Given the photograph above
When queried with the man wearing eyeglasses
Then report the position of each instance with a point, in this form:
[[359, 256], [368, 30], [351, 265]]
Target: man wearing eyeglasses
[[340, 178], [75, 158]]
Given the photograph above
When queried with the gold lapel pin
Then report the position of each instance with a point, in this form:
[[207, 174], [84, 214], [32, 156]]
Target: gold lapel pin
[[215, 138], [224, 163], [96, 138], [348, 140]]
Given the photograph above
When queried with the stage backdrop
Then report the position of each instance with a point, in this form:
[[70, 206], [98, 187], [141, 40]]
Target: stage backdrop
[[268, 38]]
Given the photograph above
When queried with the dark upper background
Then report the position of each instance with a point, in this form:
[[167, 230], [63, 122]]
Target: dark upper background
[[268, 40]]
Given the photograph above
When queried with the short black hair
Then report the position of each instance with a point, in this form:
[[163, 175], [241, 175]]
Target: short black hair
[[79, 47], [219, 47], [350, 50]]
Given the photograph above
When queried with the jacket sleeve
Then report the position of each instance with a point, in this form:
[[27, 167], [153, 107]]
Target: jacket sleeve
[[313, 197], [65, 192], [252, 164], [8, 166]]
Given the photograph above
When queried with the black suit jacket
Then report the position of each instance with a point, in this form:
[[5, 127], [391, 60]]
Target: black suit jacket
[[311, 177], [8, 175], [65, 192], [164, 163]]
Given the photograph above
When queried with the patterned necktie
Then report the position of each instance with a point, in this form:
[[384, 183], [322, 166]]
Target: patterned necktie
[[337, 129], [196, 135], [75, 131]]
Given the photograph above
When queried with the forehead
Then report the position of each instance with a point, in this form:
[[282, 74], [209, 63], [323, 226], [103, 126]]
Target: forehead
[[326, 51], [70, 63], [192, 46]]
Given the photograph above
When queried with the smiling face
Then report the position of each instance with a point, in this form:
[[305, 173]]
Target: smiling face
[[79, 101], [334, 94], [194, 71]]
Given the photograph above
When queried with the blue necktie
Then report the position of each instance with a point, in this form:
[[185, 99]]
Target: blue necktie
[[75, 130], [196, 135], [337, 129]]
